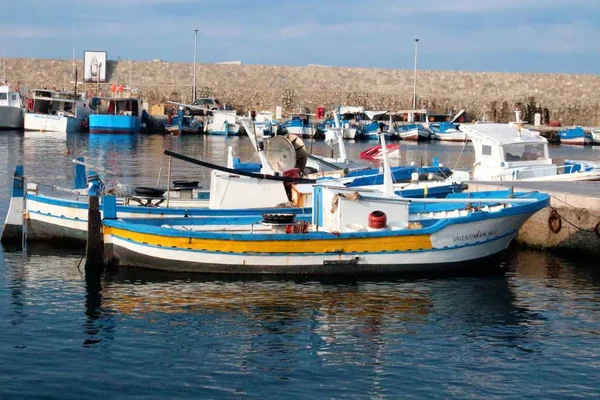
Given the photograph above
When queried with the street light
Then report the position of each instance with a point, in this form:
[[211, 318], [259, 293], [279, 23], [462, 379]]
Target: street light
[[195, 53], [415, 76]]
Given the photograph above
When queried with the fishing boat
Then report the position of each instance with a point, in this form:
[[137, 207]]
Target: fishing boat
[[508, 152], [350, 232], [576, 136], [116, 115], [299, 125], [595, 136], [414, 132], [184, 124], [223, 123], [446, 131], [376, 152], [53, 213], [11, 109], [52, 111]]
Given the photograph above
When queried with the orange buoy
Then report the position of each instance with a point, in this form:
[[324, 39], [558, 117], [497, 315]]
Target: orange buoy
[[377, 220]]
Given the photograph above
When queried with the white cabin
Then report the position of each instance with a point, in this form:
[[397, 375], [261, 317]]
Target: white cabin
[[508, 152], [53, 111], [8, 98], [11, 109]]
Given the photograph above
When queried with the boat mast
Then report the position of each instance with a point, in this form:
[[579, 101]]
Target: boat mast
[[415, 80]]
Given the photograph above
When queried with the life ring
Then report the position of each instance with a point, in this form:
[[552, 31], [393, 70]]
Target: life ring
[[554, 222], [597, 229], [29, 104]]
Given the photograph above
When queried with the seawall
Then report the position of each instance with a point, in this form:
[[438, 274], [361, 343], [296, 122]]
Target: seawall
[[570, 99]]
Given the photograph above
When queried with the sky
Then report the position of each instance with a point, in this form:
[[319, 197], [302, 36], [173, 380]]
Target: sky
[[537, 36]]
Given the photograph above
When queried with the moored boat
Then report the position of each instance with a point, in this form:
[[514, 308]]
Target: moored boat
[[576, 136], [349, 233], [11, 109], [376, 152], [414, 132], [52, 111], [508, 152], [116, 115], [446, 131]]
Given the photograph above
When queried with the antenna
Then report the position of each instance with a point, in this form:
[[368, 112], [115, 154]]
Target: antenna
[[74, 50], [4, 65]]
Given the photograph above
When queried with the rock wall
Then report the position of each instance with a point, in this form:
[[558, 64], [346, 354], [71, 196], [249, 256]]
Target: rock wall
[[570, 99]]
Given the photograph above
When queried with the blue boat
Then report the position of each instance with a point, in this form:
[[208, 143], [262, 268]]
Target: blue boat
[[299, 125], [446, 131], [575, 135], [114, 115]]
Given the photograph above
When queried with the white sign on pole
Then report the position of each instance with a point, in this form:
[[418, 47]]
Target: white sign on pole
[[94, 66]]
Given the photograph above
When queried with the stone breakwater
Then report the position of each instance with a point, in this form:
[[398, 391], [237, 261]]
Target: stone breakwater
[[570, 99]]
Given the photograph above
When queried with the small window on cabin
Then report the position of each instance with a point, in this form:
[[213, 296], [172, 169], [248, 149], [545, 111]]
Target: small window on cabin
[[13, 97], [486, 150], [3, 96]]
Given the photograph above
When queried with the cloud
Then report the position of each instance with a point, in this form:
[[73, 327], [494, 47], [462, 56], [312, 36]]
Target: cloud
[[478, 6]]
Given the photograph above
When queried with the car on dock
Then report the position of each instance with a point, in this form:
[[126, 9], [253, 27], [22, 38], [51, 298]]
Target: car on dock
[[207, 103]]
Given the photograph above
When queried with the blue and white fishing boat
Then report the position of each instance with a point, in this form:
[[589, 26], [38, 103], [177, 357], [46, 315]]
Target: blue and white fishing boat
[[350, 232], [223, 123], [414, 132], [575, 135], [116, 115], [299, 125], [446, 131]]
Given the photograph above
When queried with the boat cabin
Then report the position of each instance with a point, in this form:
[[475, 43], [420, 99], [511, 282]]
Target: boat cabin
[[114, 106], [8, 98], [508, 152], [50, 102]]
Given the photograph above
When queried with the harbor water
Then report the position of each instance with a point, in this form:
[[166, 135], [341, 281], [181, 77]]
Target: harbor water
[[527, 327]]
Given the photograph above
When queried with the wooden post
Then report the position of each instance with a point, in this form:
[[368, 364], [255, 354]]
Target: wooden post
[[94, 251]]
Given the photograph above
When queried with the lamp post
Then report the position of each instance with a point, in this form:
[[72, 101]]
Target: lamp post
[[195, 53], [415, 76]]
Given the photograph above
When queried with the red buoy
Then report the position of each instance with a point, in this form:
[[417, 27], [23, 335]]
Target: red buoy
[[377, 220]]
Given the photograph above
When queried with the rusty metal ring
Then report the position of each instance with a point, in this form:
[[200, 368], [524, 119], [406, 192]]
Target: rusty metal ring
[[554, 222], [597, 229]]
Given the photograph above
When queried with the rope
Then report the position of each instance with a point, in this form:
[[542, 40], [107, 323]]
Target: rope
[[570, 223], [460, 154], [573, 207]]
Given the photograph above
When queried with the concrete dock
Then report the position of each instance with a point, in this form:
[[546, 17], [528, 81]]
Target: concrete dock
[[570, 224]]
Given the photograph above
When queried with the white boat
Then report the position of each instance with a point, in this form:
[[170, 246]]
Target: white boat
[[509, 152], [223, 123], [596, 136], [446, 131], [52, 111], [414, 132], [11, 109]]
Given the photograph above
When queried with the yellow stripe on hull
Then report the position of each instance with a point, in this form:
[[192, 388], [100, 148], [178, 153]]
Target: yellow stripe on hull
[[302, 245]]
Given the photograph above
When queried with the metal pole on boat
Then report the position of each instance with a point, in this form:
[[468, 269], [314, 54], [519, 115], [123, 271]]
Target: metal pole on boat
[[169, 181], [415, 76], [195, 54]]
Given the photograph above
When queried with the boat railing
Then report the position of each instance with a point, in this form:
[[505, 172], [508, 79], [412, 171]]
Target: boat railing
[[558, 169]]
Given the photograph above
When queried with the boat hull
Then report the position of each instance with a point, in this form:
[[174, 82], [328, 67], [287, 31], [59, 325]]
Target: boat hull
[[52, 123], [314, 253], [581, 141], [11, 117], [100, 123], [456, 136]]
